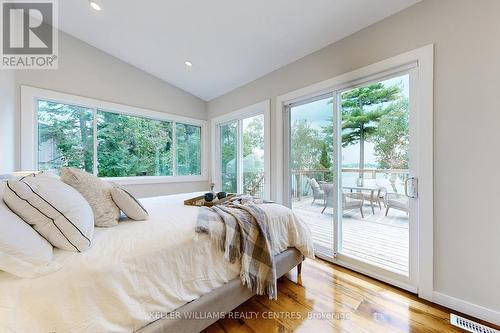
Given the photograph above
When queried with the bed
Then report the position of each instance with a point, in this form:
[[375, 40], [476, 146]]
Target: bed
[[137, 274]]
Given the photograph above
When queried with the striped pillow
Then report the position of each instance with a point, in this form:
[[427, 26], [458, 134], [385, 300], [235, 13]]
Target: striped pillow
[[55, 210], [129, 204]]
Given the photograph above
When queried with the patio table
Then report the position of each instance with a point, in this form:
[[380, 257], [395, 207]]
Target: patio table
[[367, 188]]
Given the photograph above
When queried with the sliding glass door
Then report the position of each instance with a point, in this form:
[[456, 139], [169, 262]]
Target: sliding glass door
[[352, 176], [241, 156]]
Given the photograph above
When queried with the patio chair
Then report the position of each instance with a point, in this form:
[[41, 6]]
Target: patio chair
[[318, 193], [378, 196], [351, 201], [397, 201]]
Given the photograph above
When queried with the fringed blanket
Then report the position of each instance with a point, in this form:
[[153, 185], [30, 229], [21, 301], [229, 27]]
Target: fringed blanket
[[240, 230]]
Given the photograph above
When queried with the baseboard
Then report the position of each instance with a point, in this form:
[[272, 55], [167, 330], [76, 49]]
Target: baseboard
[[471, 309]]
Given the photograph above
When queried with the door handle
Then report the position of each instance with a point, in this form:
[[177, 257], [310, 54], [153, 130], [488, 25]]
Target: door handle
[[414, 187]]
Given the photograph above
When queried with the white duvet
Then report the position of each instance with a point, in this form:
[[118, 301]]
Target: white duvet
[[133, 273]]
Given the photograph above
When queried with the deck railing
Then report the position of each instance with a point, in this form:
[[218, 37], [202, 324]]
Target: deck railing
[[392, 178], [253, 183]]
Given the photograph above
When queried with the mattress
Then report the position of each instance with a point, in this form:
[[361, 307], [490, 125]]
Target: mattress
[[132, 272]]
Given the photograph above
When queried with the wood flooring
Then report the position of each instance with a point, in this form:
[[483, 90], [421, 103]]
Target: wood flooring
[[329, 298]]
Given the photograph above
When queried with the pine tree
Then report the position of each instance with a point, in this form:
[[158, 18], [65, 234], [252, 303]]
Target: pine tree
[[362, 109], [324, 159]]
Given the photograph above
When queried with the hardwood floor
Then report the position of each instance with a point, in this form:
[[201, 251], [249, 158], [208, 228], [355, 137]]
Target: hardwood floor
[[329, 298]]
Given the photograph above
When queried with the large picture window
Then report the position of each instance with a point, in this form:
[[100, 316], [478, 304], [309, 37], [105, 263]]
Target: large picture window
[[110, 142]]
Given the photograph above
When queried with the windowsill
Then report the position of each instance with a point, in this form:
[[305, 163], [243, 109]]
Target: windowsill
[[139, 180]]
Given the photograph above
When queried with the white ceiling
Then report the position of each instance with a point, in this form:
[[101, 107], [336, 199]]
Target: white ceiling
[[229, 42]]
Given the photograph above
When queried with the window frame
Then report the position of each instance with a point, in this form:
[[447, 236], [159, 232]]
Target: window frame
[[261, 108], [29, 132]]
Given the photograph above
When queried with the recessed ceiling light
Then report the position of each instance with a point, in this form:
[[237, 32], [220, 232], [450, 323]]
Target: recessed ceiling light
[[95, 5], [188, 63]]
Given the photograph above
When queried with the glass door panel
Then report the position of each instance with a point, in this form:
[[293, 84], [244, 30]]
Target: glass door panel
[[253, 156], [375, 167], [229, 157], [311, 180]]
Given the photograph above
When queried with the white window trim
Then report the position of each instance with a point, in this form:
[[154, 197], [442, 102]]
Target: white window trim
[[264, 108], [424, 57], [29, 96]]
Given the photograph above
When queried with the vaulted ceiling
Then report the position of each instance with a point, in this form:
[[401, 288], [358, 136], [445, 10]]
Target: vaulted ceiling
[[229, 42]]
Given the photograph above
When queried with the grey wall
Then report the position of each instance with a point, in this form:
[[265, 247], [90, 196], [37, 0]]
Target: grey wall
[[87, 71], [7, 117], [466, 35]]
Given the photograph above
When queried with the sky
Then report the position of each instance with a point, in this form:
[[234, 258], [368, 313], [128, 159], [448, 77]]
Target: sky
[[320, 113]]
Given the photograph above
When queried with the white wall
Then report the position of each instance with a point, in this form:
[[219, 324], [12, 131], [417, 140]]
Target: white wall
[[89, 72], [466, 35], [7, 116]]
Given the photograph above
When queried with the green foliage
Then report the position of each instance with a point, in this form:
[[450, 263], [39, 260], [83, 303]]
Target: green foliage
[[229, 149], [133, 146], [306, 144], [253, 155], [188, 148], [392, 138], [324, 159], [253, 136], [127, 145], [359, 121], [374, 113], [69, 130], [362, 109]]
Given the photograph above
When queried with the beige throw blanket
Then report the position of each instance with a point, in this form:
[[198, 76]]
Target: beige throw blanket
[[240, 230]]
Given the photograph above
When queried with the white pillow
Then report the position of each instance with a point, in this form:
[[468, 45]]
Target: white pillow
[[23, 252], [98, 194], [314, 183], [55, 210], [129, 204]]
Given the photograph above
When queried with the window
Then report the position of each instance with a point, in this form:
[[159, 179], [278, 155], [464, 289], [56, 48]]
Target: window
[[65, 136], [188, 149], [253, 155], [242, 161], [108, 139], [228, 157], [133, 146]]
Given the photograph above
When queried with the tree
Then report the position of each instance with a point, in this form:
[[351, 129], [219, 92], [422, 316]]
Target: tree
[[229, 148], [253, 136], [392, 137], [362, 109], [69, 130], [188, 149], [253, 156], [127, 146], [306, 143], [324, 159]]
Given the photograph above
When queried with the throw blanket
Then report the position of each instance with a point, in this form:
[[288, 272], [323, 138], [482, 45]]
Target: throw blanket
[[240, 230]]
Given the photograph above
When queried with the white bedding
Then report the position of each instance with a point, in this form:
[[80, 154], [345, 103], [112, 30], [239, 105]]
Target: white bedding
[[132, 271]]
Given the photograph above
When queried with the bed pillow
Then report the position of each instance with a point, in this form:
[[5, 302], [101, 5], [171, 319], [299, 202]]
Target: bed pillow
[[23, 252], [98, 194], [129, 204], [55, 210]]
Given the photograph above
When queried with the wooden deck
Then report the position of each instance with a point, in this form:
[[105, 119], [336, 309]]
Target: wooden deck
[[376, 239]]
